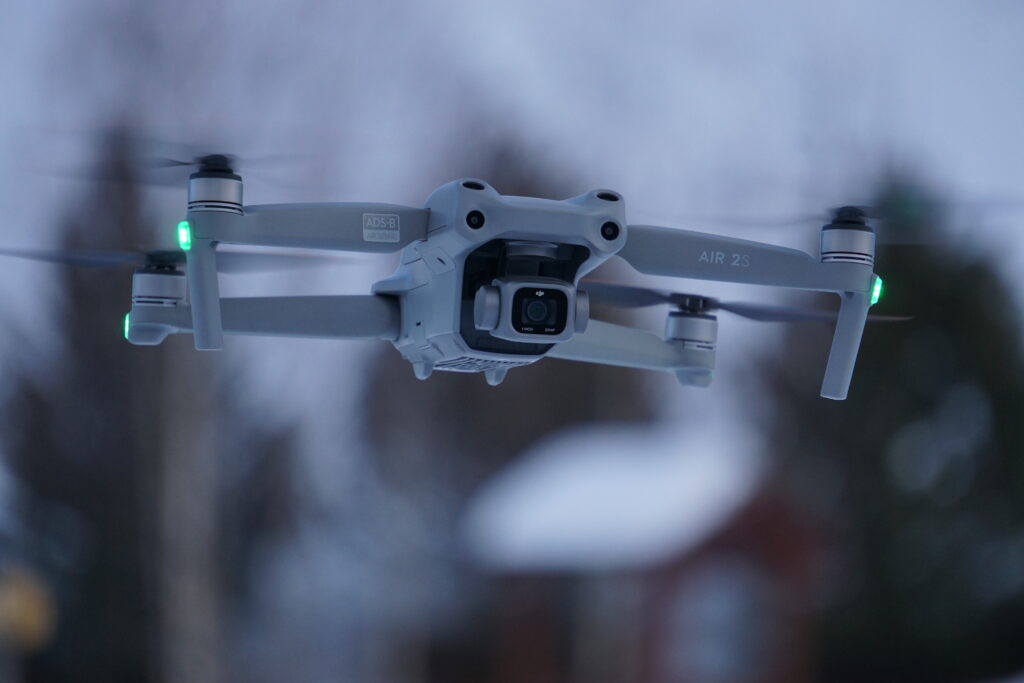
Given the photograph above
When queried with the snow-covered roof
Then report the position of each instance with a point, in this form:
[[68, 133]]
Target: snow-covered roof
[[610, 498]]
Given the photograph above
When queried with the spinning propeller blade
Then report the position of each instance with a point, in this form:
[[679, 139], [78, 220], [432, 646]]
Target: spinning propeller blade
[[155, 162], [903, 220], [164, 162], [228, 262], [85, 258], [625, 296]]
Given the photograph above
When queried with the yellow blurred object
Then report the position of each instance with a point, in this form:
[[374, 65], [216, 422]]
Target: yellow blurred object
[[27, 611]]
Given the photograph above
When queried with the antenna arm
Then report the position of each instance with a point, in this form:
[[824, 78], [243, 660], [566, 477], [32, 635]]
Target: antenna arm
[[371, 316]]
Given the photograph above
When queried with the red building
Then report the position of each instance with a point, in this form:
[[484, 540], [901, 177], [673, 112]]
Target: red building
[[630, 555]]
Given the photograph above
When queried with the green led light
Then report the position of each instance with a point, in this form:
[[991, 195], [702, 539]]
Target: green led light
[[876, 292], [127, 324], [184, 235]]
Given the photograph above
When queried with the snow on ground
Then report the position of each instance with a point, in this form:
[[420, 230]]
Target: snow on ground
[[610, 497]]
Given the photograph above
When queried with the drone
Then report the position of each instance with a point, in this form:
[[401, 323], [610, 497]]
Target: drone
[[486, 282]]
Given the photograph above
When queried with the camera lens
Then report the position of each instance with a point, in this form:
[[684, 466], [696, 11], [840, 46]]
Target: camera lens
[[534, 311], [537, 311]]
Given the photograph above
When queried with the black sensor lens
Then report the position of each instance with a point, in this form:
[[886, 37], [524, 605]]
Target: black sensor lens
[[539, 310]]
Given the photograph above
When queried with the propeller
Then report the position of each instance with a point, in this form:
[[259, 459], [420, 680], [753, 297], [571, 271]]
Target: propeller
[[156, 170], [228, 262], [223, 163], [625, 296], [907, 216], [152, 161]]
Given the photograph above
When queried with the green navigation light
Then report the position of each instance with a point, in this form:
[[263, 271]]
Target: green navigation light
[[876, 292], [127, 324], [184, 235]]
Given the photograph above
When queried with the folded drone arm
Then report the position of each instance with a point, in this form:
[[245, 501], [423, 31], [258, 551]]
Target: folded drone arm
[[360, 227], [328, 317], [611, 344], [687, 254]]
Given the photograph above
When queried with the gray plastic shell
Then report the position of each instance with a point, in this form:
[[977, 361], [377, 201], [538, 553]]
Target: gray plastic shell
[[429, 280]]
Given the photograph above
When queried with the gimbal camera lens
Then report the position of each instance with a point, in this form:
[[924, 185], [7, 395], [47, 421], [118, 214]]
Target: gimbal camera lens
[[537, 311], [475, 220]]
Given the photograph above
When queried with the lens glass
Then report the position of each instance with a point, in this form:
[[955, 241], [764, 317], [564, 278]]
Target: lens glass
[[539, 310]]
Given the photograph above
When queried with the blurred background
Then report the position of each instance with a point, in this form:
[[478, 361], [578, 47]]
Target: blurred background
[[307, 511]]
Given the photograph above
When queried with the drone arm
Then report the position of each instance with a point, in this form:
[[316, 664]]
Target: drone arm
[[328, 317], [611, 344], [201, 269], [380, 228], [702, 256], [682, 253], [343, 226], [853, 314]]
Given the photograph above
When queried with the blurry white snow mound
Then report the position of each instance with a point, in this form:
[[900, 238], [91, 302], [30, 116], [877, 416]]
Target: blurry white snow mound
[[611, 498]]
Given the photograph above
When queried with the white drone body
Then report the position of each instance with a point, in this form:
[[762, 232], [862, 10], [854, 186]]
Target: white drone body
[[459, 286], [489, 282]]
